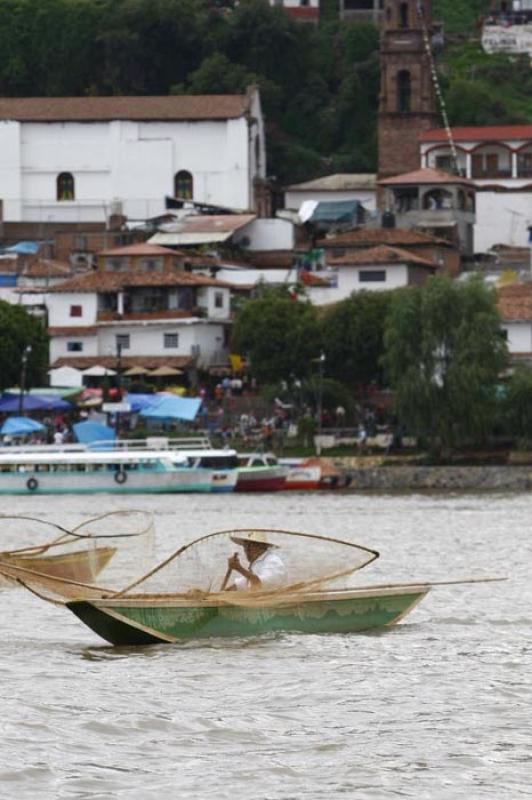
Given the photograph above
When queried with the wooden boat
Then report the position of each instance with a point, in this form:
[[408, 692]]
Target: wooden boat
[[150, 620], [77, 565], [79, 554], [314, 473], [260, 472], [301, 476], [310, 597]]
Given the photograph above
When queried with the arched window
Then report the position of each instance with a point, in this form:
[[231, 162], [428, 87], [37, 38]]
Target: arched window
[[65, 186], [184, 185], [404, 91], [403, 15]]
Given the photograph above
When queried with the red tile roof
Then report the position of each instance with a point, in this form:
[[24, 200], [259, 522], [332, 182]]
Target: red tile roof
[[388, 256], [515, 302], [91, 109], [426, 175], [485, 133], [368, 237], [100, 281], [148, 362], [48, 268], [140, 249]]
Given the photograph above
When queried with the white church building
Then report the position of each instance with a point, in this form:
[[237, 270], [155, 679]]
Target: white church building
[[84, 159]]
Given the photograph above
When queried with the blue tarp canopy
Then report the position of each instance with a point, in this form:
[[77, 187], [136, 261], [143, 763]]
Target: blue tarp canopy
[[20, 426], [33, 402], [139, 402], [23, 248], [170, 407], [89, 432], [336, 211]]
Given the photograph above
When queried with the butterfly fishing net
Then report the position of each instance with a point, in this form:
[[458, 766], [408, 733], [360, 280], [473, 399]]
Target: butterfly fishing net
[[64, 561], [248, 567]]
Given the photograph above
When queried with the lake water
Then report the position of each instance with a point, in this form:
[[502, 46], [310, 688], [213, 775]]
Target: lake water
[[437, 707]]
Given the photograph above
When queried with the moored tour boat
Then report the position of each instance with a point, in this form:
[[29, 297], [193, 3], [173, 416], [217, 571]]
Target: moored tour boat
[[122, 472], [260, 472], [313, 473]]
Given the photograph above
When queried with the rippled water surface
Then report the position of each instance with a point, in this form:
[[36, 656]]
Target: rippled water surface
[[437, 707]]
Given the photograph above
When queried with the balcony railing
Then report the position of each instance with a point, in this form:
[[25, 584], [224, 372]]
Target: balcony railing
[[491, 173]]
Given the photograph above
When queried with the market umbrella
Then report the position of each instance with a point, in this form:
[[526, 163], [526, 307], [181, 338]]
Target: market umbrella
[[33, 402], [132, 371], [165, 372], [20, 426], [97, 371]]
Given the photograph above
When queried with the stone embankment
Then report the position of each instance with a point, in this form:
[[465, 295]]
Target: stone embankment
[[402, 477]]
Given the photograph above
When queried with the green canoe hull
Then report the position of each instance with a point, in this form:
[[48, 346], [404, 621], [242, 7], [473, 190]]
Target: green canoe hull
[[138, 622]]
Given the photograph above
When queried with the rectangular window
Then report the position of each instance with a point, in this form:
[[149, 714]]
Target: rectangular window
[[123, 341], [76, 311], [171, 340], [74, 347], [218, 299], [372, 275], [444, 162], [80, 242], [151, 264], [116, 264]]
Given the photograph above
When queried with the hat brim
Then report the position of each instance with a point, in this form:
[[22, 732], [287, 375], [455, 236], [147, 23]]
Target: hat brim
[[243, 541]]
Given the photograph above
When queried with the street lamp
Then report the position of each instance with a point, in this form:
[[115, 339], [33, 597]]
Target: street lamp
[[25, 354], [118, 385], [321, 367]]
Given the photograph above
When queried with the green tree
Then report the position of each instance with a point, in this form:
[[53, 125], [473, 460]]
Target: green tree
[[279, 335], [517, 405], [18, 330], [444, 351], [353, 337]]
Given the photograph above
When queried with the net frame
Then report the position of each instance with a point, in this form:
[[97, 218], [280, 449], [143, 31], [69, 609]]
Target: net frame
[[248, 597]]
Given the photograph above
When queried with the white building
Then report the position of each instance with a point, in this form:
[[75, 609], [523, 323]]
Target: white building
[[498, 159], [302, 10], [83, 159], [375, 269], [141, 303], [515, 307]]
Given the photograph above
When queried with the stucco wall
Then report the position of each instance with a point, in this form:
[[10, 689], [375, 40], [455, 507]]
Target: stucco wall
[[131, 162], [349, 282]]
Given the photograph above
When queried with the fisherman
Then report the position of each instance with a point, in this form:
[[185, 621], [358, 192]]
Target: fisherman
[[266, 569]]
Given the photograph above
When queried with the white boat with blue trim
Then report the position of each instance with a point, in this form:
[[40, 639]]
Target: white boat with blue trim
[[86, 472]]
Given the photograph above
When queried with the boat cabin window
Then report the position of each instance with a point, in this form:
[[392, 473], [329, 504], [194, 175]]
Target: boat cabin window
[[257, 462], [271, 462], [217, 462]]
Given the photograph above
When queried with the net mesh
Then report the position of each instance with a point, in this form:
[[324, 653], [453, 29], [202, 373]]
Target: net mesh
[[65, 562], [205, 567]]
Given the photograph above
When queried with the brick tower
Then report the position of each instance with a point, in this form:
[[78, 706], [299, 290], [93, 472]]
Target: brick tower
[[407, 100]]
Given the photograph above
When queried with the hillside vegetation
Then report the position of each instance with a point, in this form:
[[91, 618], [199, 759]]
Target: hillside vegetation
[[319, 85]]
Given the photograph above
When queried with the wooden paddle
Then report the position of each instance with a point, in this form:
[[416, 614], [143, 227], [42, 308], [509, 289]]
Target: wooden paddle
[[227, 576]]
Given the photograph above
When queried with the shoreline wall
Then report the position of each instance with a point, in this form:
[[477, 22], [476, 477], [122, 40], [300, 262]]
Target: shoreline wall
[[420, 478]]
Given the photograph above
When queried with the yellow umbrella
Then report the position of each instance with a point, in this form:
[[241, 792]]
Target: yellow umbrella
[[136, 371], [165, 372]]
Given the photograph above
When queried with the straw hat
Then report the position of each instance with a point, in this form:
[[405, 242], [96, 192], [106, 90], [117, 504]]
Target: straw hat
[[253, 537]]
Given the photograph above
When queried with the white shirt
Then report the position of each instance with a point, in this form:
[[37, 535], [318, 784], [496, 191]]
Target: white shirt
[[268, 568]]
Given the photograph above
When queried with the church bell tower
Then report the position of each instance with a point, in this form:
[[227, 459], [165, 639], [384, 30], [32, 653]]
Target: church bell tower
[[407, 104]]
